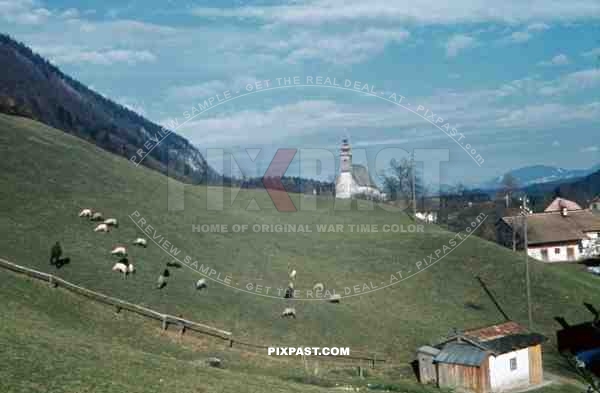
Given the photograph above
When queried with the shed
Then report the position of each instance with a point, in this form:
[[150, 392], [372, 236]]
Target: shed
[[490, 359], [427, 370]]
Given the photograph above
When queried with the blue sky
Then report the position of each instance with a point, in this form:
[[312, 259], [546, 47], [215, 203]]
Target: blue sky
[[520, 80]]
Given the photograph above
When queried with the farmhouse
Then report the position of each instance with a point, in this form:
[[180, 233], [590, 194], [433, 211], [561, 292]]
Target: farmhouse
[[354, 180], [595, 205], [558, 204], [491, 359], [554, 235]]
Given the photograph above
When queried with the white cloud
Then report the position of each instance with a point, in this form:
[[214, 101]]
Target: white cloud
[[422, 12], [544, 115], [556, 144], [558, 60], [520, 36], [592, 53], [571, 83], [537, 27], [349, 48], [208, 89], [458, 43], [70, 13], [23, 12], [78, 55], [589, 149]]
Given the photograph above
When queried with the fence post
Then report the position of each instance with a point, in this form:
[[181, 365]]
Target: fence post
[[231, 343], [374, 359], [164, 322], [53, 284]]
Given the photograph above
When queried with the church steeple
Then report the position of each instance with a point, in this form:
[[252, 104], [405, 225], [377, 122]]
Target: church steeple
[[345, 156]]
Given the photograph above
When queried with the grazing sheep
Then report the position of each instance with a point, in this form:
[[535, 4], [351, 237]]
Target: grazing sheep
[[119, 251], [201, 283], [214, 362], [174, 264], [335, 298], [85, 213], [97, 217], [112, 221], [293, 274], [289, 293], [140, 241], [123, 268], [162, 279], [102, 228], [55, 254], [289, 312], [319, 287]]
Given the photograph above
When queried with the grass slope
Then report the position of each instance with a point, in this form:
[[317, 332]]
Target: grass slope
[[48, 176]]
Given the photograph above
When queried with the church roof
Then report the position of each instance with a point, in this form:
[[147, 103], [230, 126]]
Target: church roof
[[361, 176]]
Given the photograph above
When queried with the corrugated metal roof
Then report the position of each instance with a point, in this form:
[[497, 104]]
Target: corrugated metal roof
[[459, 353]]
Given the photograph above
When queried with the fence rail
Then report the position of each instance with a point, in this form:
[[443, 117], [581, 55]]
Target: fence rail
[[118, 303], [166, 319]]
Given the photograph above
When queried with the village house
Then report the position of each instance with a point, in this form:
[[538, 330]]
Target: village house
[[558, 204], [595, 205], [561, 233], [491, 359]]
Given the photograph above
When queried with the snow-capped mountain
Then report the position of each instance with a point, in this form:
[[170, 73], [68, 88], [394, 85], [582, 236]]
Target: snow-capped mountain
[[538, 174]]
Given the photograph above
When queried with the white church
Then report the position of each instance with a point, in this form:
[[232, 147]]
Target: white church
[[354, 181]]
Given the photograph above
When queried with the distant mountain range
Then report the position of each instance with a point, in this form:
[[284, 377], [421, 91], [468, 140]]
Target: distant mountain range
[[32, 87], [539, 174]]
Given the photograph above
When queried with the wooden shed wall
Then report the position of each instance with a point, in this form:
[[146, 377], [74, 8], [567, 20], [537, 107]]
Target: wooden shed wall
[[536, 369], [427, 370], [472, 378]]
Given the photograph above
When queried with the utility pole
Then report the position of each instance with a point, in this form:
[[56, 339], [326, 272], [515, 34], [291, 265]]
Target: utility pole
[[524, 212], [414, 193]]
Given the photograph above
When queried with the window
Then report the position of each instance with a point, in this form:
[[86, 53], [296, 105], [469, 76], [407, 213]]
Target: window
[[557, 250], [513, 364]]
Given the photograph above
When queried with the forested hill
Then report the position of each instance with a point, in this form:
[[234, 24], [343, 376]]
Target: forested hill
[[32, 87]]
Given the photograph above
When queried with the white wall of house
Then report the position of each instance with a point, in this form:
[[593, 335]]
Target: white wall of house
[[502, 377], [555, 253], [560, 253]]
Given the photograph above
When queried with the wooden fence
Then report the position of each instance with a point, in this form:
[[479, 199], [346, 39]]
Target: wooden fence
[[165, 319]]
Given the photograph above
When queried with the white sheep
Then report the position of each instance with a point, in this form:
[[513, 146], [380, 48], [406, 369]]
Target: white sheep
[[112, 221], [123, 268], [319, 287], [85, 213], [97, 217], [140, 241], [119, 251], [289, 312], [201, 283], [335, 298], [162, 279], [102, 228], [292, 272]]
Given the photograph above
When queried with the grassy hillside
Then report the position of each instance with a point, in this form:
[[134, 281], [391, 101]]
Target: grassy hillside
[[48, 176]]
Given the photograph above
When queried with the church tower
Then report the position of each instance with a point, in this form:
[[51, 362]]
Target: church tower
[[345, 157], [344, 185]]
